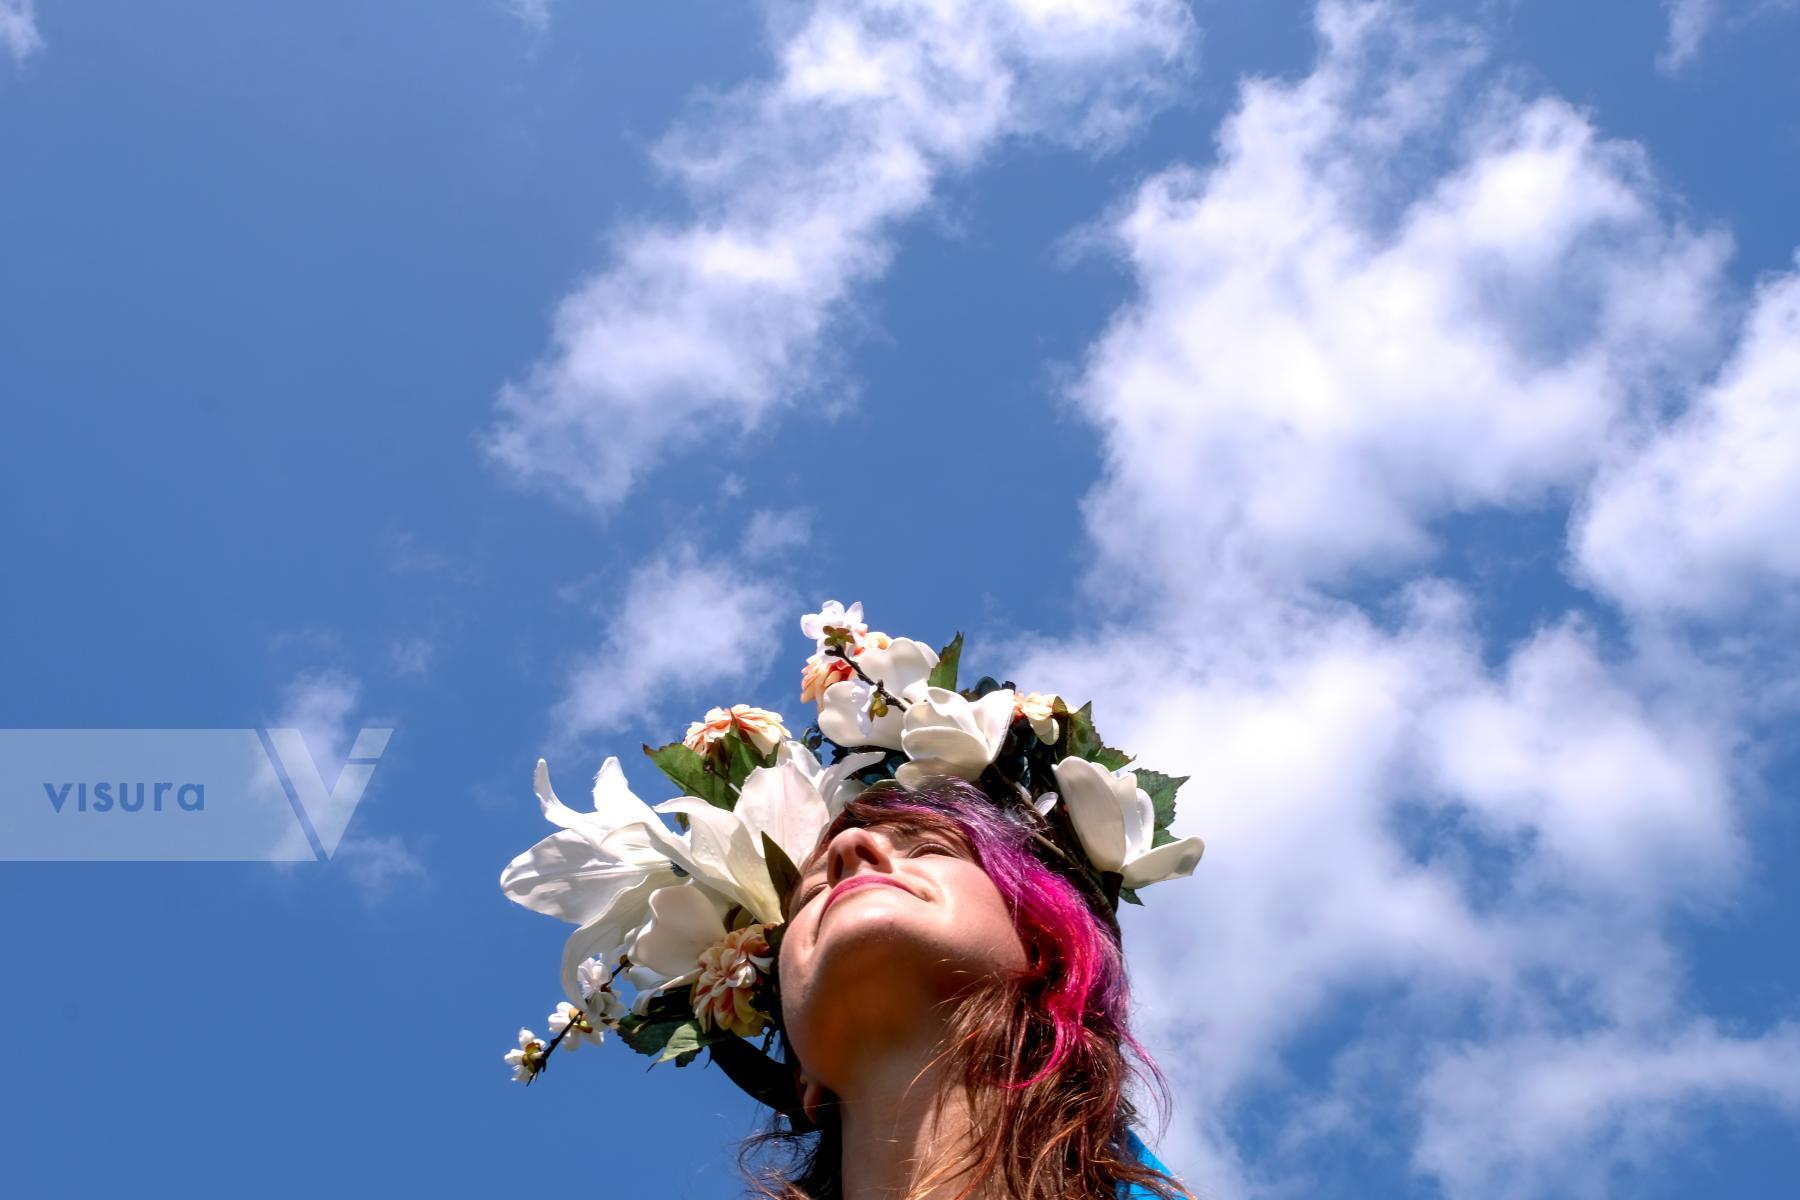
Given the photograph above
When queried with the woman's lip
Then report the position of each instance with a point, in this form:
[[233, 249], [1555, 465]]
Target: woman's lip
[[859, 881]]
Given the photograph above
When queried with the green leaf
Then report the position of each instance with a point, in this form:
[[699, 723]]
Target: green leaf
[[1130, 897], [684, 1044], [742, 757], [668, 1031], [944, 674], [1112, 759], [691, 772], [1161, 789], [1084, 741], [782, 871]]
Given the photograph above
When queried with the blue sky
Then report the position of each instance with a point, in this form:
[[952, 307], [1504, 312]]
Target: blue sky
[[1385, 413]]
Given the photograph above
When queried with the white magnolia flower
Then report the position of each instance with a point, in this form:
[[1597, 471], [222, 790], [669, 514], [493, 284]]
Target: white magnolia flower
[[575, 1020], [724, 850], [1116, 820], [946, 734], [834, 616], [528, 1059], [901, 668], [833, 783]]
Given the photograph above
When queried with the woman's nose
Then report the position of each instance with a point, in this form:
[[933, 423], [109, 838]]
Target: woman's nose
[[854, 851]]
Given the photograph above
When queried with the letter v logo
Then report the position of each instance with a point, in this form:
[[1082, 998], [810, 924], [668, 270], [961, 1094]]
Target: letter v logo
[[323, 813]]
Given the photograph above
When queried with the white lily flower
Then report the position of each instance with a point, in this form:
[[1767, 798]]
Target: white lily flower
[[901, 667], [598, 871], [1116, 821], [833, 783], [946, 734], [528, 1059], [575, 1021], [577, 873], [724, 849]]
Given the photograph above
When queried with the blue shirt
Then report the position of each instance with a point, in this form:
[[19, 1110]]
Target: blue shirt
[[1137, 1147]]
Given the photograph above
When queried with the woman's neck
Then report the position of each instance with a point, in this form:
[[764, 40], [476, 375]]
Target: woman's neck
[[902, 1122]]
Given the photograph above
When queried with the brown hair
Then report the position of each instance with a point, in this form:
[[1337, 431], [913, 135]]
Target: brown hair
[[1045, 1055]]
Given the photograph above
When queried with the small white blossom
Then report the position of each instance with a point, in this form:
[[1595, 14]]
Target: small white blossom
[[528, 1059], [602, 1004], [575, 1021], [605, 1007], [834, 615]]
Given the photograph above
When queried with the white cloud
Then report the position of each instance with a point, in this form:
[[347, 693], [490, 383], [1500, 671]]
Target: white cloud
[[683, 632], [322, 705], [1692, 22], [771, 533], [1520, 1118], [378, 863], [1405, 293], [18, 28], [533, 14], [1328, 352], [1689, 21], [796, 184], [1702, 517], [411, 657]]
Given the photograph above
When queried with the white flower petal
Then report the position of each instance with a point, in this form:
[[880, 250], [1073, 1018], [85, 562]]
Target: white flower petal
[[783, 803], [914, 773], [1087, 790], [568, 877], [898, 666], [723, 854], [684, 921], [1170, 861], [604, 936], [993, 714], [844, 717], [614, 802], [1138, 812]]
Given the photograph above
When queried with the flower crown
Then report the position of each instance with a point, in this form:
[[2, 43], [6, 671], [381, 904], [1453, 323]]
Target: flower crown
[[690, 919]]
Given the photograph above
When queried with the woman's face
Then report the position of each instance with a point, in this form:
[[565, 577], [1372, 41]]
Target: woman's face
[[887, 924]]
